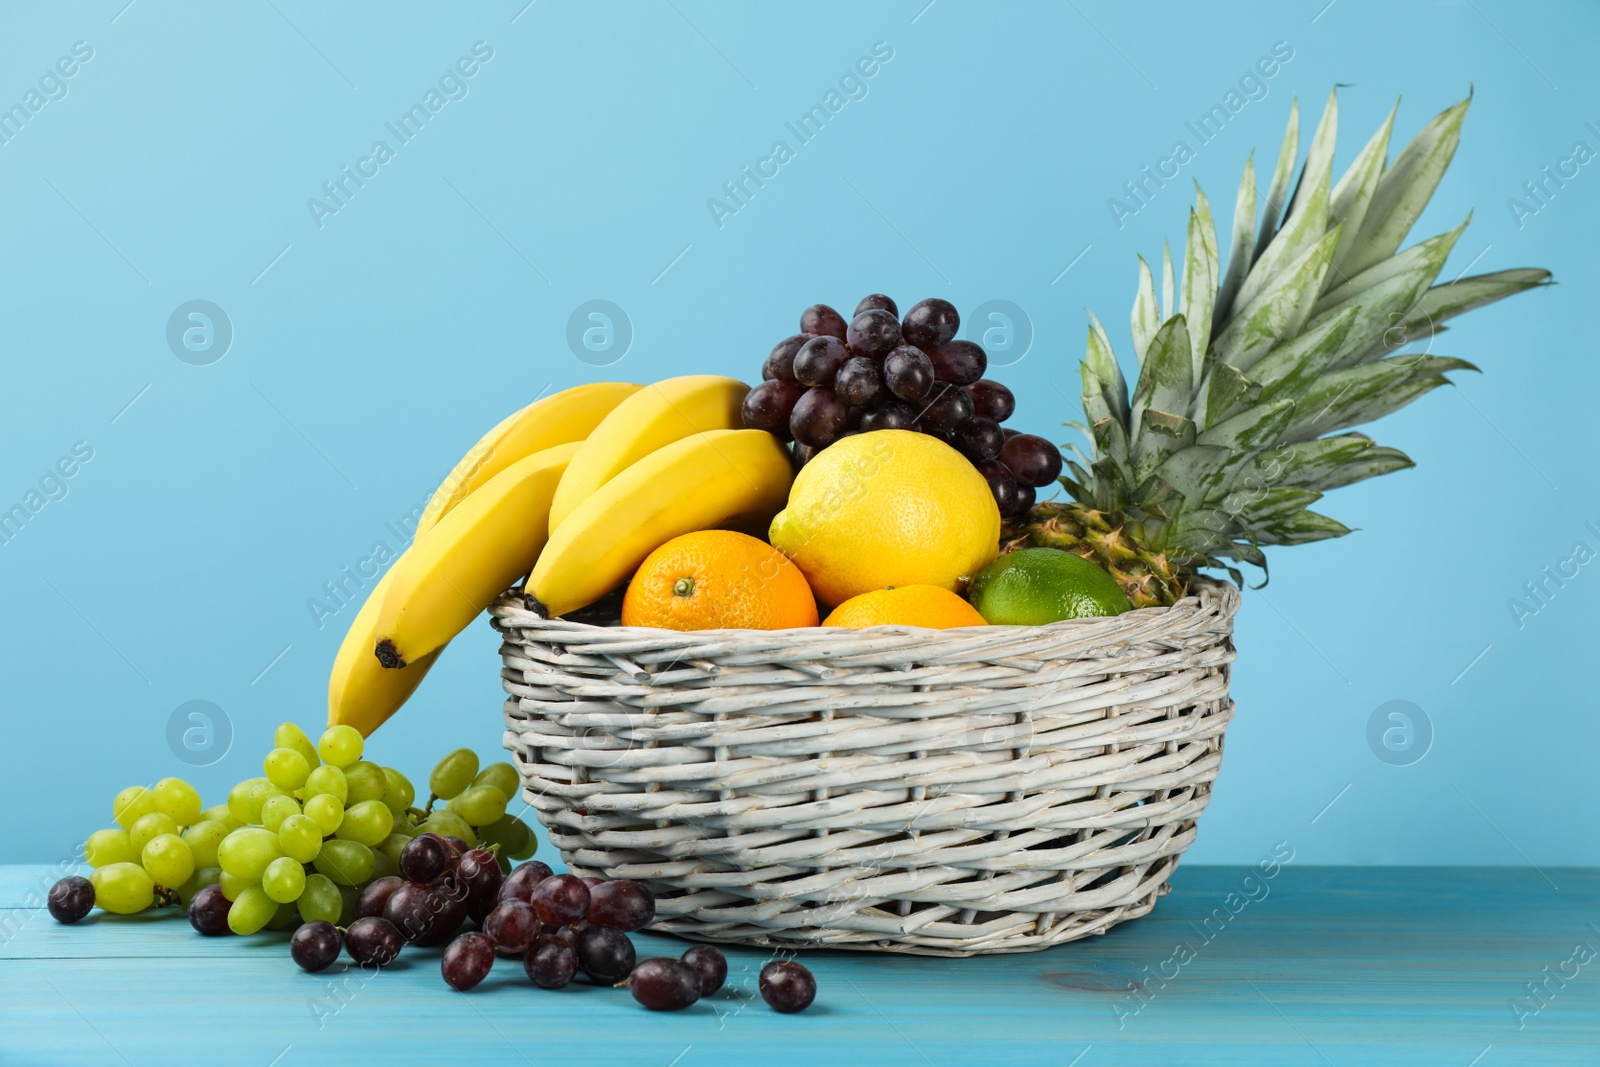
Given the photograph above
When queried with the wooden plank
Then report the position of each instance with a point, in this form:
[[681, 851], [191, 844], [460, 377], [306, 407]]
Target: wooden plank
[[1313, 966]]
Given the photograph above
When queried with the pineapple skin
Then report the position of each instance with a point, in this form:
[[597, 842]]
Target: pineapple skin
[[1149, 578]]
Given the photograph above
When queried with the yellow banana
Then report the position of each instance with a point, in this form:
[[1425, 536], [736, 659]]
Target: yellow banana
[[472, 556], [652, 418], [360, 692], [569, 415], [720, 479]]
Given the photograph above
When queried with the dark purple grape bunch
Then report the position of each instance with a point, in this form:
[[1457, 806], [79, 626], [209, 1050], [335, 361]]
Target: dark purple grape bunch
[[880, 371]]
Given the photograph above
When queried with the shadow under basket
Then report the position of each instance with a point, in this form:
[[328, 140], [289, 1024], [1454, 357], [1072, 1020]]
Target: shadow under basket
[[945, 792]]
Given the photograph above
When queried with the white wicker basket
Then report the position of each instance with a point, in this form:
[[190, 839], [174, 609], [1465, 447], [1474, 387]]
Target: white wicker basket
[[947, 792]]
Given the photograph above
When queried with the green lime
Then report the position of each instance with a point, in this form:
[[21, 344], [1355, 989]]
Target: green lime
[[1034, 586]]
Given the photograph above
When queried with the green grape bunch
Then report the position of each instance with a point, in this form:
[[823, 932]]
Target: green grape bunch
[[299, 843]]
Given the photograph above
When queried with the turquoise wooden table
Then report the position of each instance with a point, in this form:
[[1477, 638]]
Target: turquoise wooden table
[[1481, 967]]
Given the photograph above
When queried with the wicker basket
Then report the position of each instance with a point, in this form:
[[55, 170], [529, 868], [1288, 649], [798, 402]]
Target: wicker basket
[[948, 792]]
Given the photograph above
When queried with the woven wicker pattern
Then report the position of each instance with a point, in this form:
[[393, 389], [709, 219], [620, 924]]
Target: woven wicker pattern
[[996, 789]]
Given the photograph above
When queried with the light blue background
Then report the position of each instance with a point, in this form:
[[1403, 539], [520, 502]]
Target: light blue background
[[375, 349]]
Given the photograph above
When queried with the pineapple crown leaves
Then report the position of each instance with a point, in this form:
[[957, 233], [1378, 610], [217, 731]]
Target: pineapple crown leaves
[[1252, 376]]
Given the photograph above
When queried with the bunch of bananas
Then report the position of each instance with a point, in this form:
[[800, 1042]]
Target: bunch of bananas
[[573, 492]]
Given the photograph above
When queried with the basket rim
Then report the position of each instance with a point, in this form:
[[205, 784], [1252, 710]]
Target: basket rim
[[1209, 596]]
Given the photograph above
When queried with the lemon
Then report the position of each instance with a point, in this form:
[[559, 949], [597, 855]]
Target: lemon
[[1034, 586], [887, 508]]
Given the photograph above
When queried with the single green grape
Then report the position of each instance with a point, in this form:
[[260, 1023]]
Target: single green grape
[[232, 886], [167, 859], [383, 866], [251, 911], [328, 781], [245, 852], [131, 805], [511, 834], [220, 813], [453, 773], [277, 809], [320, 899], [178, 800], [392, 846], [503, 776], [327, 810], [368, 822], [300, 838], [286, 768], [398, 792], [283, 918], [246, 798], [149, 827], [346, 862], [449, 824], [348, 895], [288, 735], [284, 880], [202, 877], [108, 846], [366, 782], [340, 745], [203, 838], [482, 805], [123, 888]]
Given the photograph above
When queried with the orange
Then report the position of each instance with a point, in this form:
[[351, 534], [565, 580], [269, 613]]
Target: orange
[[927, 606], [718, 579]]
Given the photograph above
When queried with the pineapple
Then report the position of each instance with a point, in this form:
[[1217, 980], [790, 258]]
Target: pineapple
[[1248, 385]]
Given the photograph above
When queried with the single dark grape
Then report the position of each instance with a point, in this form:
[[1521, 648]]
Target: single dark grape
[[512, 926], [208, 912], [710, 965], [70, 899], [877, 301], [569, 934], [821, 319], [1003, 485], [373, 941], [376, 895], [560, 899], [453, 910], [315, 945], [1026, 495], [779, 364], [992, 400], [908, 372], [820, 418], [626, 905], [787, 986], [458, 848], [480, 875], [467, 961], [550, 963], [425, 858], [802, 455], [663, 984], [930, 323], [411, 909], [591, 881], [958, 362], [980, 439], [605, 954], [818, 360], [948, 411], [873, 333], [1034, 461], [859, 382], [521, 882], [769, 405], [889, 415]]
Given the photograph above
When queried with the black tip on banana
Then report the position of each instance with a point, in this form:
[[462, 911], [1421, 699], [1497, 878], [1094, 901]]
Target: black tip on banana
[[531, 603], [385, 651]]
